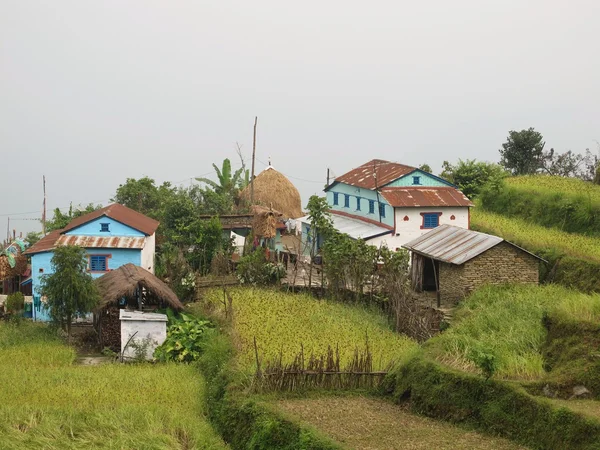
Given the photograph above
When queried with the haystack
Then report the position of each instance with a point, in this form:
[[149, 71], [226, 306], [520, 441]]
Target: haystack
[[125, 282], [265, 221], [12, 260], [274, 191]]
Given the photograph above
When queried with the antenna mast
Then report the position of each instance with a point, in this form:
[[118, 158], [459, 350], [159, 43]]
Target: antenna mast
[[253, 159], [44, 210]]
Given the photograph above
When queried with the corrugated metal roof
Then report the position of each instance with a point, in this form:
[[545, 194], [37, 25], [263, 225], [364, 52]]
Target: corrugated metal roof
[[354, 227], [121, 214], [412, 197], [45, 244], [385, 172], [102, 241], [455, 245]]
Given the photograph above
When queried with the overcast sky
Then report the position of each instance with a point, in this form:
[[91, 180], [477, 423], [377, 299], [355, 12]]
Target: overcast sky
[[93, 92]]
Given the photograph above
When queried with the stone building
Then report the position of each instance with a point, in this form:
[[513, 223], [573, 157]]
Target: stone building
[[454, 261]]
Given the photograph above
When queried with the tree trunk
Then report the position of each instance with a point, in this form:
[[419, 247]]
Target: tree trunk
[[69, 329]]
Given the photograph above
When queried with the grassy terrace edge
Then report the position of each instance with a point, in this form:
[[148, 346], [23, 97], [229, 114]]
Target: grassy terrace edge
[[497, 407]]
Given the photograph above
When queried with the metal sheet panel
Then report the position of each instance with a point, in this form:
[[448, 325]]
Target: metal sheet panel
[[102, 241], [356, 228], [452, 244]]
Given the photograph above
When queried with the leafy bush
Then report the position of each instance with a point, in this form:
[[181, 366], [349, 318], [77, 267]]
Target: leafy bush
[[254, 269], [185, 340], [15, 303]]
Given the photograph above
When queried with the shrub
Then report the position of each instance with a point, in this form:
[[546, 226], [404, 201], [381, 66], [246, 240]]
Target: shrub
[[254, 269], [15, 303], [185, 340]]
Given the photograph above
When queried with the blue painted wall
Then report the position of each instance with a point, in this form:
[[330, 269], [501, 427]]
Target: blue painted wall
[[39, 261], [425, 179], [365, 195], [115, 229]]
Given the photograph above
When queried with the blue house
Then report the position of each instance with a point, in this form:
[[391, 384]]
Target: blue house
[[112, 236], [387, 203]]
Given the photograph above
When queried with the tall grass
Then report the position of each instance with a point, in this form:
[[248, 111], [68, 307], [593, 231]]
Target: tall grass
[[506, 322], [535, 237], [46, 402], [283, 322], [565, 204]]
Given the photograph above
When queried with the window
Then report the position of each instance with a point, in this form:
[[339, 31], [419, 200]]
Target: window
[[358, 203], [346, 201], [416, 180], [371, 206], [104, 227], [382, 210], [430, 220], [308, 236], [98, 263], [336, 200]]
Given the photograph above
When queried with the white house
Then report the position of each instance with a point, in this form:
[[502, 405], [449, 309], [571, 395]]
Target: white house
[[390, 204]]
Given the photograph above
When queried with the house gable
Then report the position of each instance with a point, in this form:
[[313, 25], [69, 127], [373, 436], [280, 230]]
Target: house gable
[[111, 226], [418, 178]]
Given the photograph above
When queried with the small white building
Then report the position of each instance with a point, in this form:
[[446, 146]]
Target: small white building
[[141, 333]]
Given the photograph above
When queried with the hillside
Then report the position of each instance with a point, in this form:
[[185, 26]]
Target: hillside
[[566, 204]]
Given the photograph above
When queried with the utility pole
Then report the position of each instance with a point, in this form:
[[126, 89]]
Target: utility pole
[[8, 230], [44, 209], [328, 176], [253, 161]]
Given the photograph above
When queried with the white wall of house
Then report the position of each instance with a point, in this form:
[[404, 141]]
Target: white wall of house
[[148, 253], [407, 230]]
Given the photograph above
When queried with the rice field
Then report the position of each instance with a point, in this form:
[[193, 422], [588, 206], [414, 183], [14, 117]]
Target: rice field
[[506, 322], [283, 322], [534, 237], [367, 423], [49, 403]]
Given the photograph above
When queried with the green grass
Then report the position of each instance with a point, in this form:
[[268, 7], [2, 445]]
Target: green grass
[[282, 322], [565, 204], [49, 403], [535, 237], [368, 423], [506, 322]]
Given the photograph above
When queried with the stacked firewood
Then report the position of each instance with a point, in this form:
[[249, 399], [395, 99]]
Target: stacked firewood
[[111, 328]]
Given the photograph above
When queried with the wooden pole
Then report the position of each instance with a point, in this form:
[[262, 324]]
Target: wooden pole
[[44, 211], [253, 162], [328, 176]]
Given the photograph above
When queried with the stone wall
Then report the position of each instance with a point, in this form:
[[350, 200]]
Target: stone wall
[[503, 263]]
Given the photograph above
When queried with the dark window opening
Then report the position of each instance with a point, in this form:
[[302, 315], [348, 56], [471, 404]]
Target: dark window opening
[[429, 276], [98, 263], [371, 206], [382, 210], [346, 201], [416, 180], [358, 203], [105, 227], [336, 199]]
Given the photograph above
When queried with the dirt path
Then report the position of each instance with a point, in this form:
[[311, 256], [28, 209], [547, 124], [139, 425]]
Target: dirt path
[[372, 424]]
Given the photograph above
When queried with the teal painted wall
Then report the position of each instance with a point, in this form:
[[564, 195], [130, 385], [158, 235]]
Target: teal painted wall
[[118, 257], [115, 229], [365, 195], [425, 180]]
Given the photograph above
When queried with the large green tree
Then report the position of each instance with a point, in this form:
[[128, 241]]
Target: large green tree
[[471, 175], [69, 289], [144, 196], [523, 152]]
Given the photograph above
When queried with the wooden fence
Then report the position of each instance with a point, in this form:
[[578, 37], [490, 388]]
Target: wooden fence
[[323, 371]]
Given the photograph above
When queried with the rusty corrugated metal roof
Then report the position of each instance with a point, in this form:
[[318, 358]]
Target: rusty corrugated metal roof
[[375, 173], [102, 241], [412, 197], [119, 213], [455, 245], [45, 244]]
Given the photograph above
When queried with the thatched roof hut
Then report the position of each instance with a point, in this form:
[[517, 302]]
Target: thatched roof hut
[[129, 279], [274, 191]]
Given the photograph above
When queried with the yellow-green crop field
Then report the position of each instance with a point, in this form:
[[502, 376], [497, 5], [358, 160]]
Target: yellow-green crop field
[[46, 402], [534, 237], [282, 322], [546, 184]]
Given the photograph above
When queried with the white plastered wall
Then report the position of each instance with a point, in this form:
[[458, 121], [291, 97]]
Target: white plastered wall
[[148, 253]]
